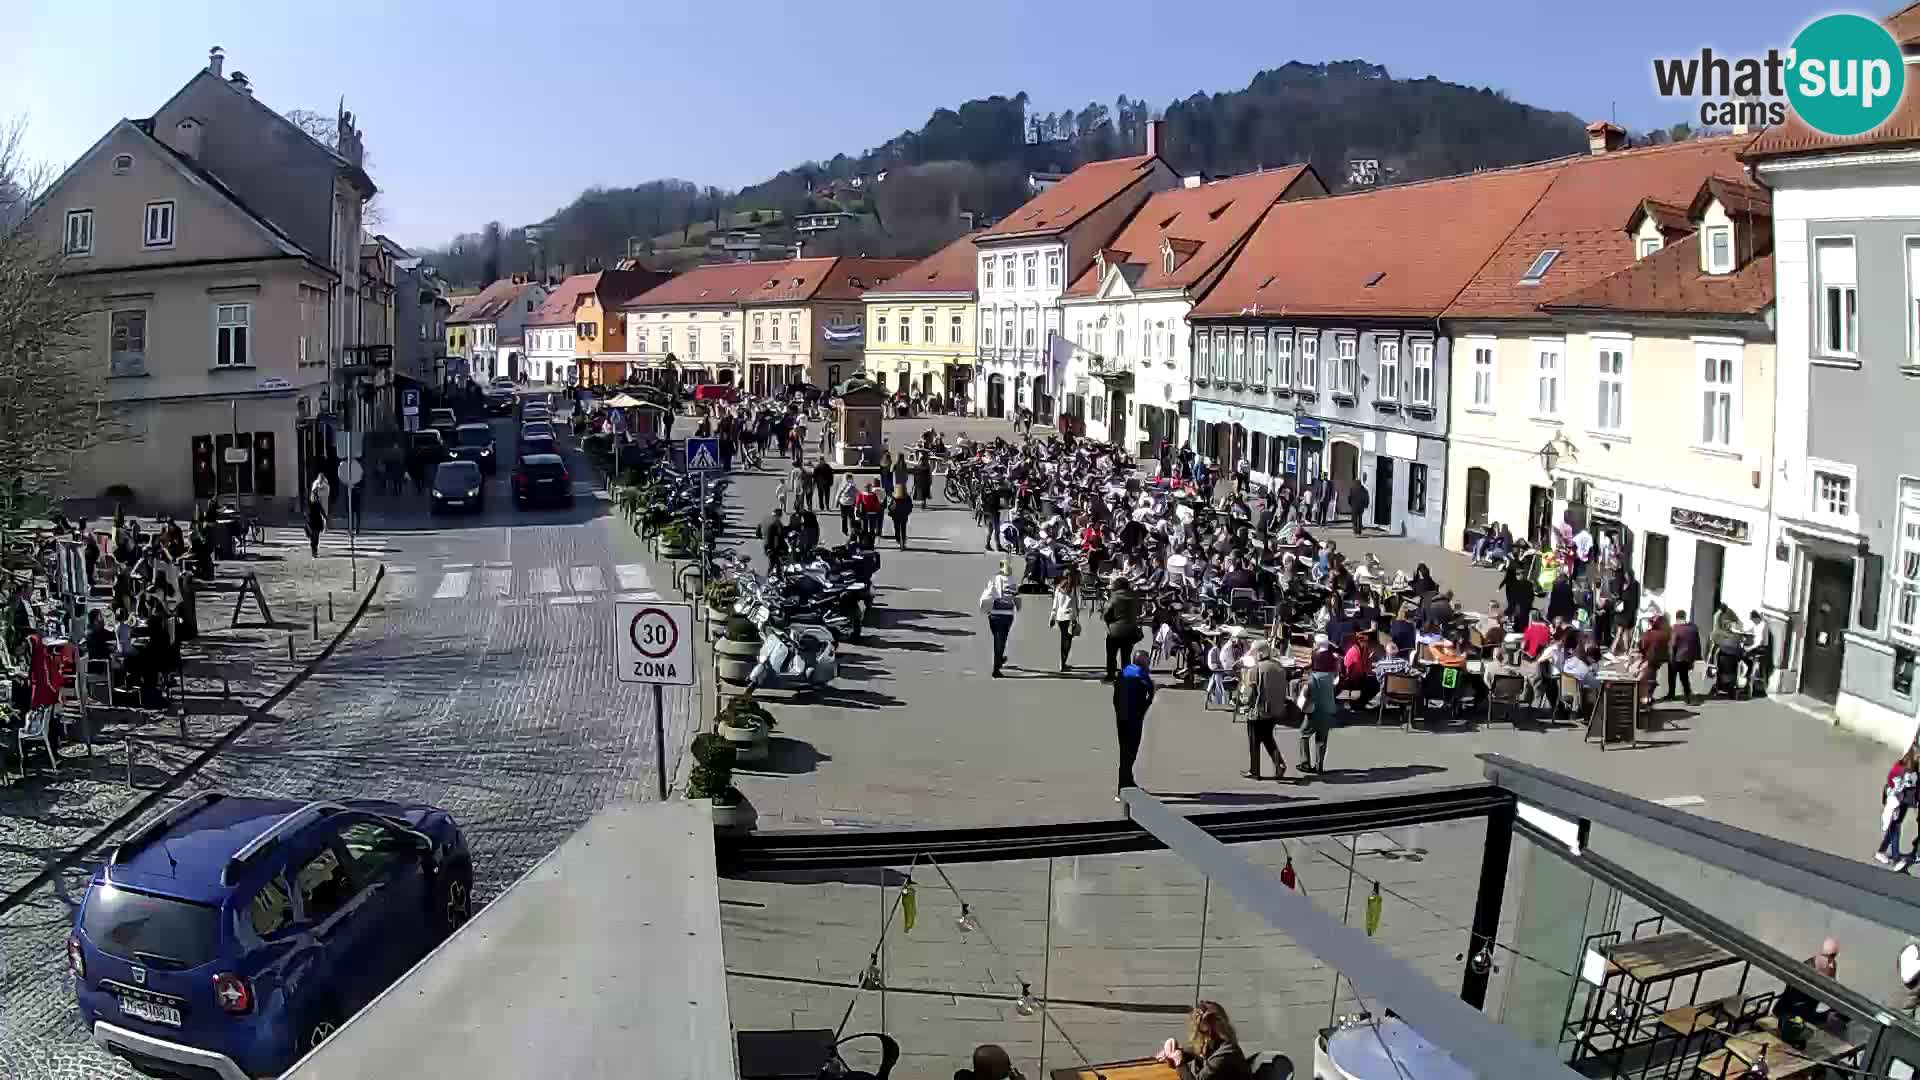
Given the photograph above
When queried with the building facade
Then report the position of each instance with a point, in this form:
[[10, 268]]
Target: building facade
[[920, 325], [488, 330], [815, 319], [1845, 542], [1025, 264], [554, 331], [1129, 373]]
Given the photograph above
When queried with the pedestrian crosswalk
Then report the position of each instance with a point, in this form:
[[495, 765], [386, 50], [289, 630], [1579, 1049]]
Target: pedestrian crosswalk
[[338, 542], [508, 587]]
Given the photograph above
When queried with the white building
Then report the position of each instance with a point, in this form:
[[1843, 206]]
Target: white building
[[1026, 262], [551, 332], [1127, 378]]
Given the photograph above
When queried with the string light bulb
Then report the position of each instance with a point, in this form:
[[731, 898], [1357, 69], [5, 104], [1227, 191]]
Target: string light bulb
[[966, 923], [1025, 1004], [870, 975], [1759, 1070]]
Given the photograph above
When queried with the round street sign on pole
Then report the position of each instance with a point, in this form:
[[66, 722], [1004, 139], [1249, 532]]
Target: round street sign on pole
[[655, 642]]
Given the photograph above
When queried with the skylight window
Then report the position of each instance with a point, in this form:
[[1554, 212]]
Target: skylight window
[[1538, 270], [1267, 282], [1376, 279]]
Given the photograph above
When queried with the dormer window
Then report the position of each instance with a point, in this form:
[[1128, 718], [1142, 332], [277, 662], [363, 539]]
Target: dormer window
[[1719, 249], [1648, 245]]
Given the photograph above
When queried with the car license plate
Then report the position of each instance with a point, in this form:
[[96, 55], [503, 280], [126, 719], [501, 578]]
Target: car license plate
[[150, 1012], [456, 502]]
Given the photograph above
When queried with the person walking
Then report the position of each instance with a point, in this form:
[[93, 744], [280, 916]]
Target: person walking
[[1000, 600], [773, 536], [1323, 499], [822, 483], [845, 497], [1122, 617], [1133, 694], [1685, 652], [923, 478], [1268, 682], [1320, 708], [1357, 500], [990, 513], [871, 511], [1065, 614], [1901, 793], [900, 510], [1656, 647], [317, 499]]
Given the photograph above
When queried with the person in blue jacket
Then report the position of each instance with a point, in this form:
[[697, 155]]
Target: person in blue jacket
[[1132, 695]]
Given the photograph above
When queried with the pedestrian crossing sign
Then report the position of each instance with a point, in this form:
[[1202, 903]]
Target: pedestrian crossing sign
[[703, 454]]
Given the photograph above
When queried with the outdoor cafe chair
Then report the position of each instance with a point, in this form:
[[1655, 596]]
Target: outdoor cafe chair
[[1400, 691], [1507, 693], [38, 728], [1575, 700]]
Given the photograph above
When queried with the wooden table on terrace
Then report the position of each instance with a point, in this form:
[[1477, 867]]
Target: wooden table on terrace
[[1144, 1069], [1823, 1048]]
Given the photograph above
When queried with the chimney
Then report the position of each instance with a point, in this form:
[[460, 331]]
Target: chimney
[[797, 245], [241, 83], [1605, 136], [1193, 181], [217, 62], [185, 138], [1154, 129], [966, 219]]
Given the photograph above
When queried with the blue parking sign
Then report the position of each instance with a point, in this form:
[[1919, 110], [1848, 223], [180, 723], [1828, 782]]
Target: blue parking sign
[[703, 454], [1293, 459]]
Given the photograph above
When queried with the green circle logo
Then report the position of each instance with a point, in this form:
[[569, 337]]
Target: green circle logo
[[1847, 75]]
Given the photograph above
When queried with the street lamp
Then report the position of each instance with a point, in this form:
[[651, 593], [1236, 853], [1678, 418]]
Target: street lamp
[[1556, 448]]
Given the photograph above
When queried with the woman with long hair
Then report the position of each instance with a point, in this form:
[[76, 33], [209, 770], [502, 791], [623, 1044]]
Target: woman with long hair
[[1211, 1051], [1066, 611]]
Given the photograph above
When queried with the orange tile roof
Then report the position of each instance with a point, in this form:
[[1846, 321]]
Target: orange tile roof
[[785, 281], [1080, 193], [1795, 138], [1670, 282], [1580, 216], [1202, 224], [1667, 217], [949, 270], [1904, 24], [488, 303], [1423, 241], [557, 310]]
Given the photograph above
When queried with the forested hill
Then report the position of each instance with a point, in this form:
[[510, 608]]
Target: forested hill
[[976, 158]]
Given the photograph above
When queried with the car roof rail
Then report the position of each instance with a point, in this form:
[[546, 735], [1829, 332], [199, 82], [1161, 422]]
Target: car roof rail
[[270, 837], [158, 824]]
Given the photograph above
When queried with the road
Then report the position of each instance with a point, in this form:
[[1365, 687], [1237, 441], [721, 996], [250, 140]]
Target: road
[[481, 680]]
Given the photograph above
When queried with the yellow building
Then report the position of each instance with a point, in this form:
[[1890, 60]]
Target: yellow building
[[920, 324], [602, 326]]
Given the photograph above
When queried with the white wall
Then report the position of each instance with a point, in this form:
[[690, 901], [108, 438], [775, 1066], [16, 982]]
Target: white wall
[[1035, 308]]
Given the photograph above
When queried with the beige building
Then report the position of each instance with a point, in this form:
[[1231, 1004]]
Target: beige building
[[920, 324], [227, 293]]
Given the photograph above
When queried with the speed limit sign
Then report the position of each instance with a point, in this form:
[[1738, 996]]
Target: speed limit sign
[[654, 642]]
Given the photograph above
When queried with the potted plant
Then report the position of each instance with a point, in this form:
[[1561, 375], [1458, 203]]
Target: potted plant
[[676, 541], [711, 781], [721, 596], [744, 723], [737, 650]]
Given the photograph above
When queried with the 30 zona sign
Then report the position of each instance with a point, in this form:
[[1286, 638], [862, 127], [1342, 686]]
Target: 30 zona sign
[[654, 642]]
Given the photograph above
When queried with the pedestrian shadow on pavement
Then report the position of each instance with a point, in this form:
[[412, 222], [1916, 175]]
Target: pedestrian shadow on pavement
[[1378, 774], [786, 757], [905, 646], [1228, 798], [843, 698]]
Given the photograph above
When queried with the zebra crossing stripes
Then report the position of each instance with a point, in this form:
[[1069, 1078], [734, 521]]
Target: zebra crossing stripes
[[505, 586], [544, 581], [454, 585], [497, 582], [585, 579], [633, 577]]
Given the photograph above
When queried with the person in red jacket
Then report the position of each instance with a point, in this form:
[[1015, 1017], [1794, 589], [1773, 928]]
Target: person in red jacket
[[867, 503]]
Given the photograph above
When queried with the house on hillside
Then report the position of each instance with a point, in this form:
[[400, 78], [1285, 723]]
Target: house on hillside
[[220, 244], [1128, 376], [1025, 264], [814, 223]]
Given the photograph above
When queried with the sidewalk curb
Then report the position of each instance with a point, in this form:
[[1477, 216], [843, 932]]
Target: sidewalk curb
[[147, 802]]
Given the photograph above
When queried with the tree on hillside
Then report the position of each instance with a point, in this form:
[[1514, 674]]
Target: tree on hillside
[[52, 400]]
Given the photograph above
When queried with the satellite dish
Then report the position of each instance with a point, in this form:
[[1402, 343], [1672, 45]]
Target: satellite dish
[[1910, 964]]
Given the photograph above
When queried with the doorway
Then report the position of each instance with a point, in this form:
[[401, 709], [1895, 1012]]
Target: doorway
[[1042, 403], [1383, 491], [1540, 517], [1343, 468], [904, 381], [1829, 592], [1117, 417], [997, 397], [1709, 562], [1477, 483]]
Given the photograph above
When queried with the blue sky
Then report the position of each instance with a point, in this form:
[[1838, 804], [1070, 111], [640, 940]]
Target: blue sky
[[479, 109]]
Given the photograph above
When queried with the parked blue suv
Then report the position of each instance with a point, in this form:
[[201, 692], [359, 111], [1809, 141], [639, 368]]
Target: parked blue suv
[[228, 936]]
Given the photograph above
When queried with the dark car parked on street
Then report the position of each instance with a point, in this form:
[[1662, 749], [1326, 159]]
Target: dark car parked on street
[[425, 449], [230, 935], [474, 442], [542, 479], [458, 485], [537, 445]]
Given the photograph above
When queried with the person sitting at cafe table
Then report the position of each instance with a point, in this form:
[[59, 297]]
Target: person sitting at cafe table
[[990, 1062], [1403, 633], [1211, 1050], [99, 638], [1356, 669], [1798, 1004], [1583, 663], [1492, 625], [1759, 653], [1422, 585]]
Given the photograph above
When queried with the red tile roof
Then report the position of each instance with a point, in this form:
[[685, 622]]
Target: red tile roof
[[785, 281], [559, 305], [1670, 282], [1667, 217], [1904, 25], [488, 303], [1425, 240], [1738, 198], [1080, 193], [1202, 225], [1795, 138], [949, 270], [1580, 216]]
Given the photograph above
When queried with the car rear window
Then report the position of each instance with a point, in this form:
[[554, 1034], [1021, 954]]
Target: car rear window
[[539, 444], [154, 930], [475, 436], [545, 469], [423, 440]]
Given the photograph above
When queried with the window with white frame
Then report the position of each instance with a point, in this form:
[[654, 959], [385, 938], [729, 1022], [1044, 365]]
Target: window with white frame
[[1483, 376], [693, 344], [1346, 358], [1389, 387], [1027, 331], [1308, 365], [666, 338], [1222, 357], [1202, 357], [1006, 330], [1832, 492], [1719, 249], [1240, 356], [159, 232], [926, 328], [1546, 380], [1719, 395], [1146, 343], [79, 239], [232, 329], [1422, 372], [1906, 566], [953, 329], [1031, 264], [1259, 359], [1119, 342], [1839, 302], [1173, 349], [1006, 270], [880, 328], [759, 329], [1610, 386], [986, 332], [640, 341], [127, 349], [1053, 269], [1913, 302], [1283, 358], [1649, 245], [986, 272]]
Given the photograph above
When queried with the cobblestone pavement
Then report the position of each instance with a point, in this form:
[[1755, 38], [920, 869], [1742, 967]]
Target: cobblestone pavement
[[481, 680]]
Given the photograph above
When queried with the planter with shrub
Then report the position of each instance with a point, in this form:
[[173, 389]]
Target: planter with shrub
[[721, 596], [737, 650], [711, 781], [745, 723], [677, 541]]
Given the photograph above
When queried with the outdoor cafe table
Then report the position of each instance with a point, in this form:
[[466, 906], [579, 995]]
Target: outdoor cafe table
[[1142, 1069], [1783, 1060]]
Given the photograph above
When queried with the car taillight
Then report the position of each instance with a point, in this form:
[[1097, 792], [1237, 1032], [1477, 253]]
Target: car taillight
[[76, 956], [233, 993], [520, 479], [566, 477]]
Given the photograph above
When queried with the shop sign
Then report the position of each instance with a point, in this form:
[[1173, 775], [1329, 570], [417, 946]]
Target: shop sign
[[1606, 502], [1308, 427], [1726, 528]]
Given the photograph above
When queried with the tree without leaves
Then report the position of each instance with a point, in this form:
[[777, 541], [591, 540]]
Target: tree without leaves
[[325, 130], [52, 400]]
